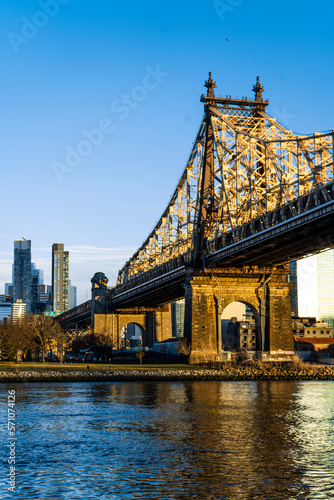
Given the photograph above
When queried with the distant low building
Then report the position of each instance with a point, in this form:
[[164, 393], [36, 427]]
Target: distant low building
[[316, 346], [4, 297], [312, 336], [240, 334], [310, 327], [19, 311], [5, 311]]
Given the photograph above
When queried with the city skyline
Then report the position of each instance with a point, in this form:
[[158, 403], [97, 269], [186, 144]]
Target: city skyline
[[28, 285], [102, 112]]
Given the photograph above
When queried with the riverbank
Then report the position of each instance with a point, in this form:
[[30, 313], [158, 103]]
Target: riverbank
[[228, 373]]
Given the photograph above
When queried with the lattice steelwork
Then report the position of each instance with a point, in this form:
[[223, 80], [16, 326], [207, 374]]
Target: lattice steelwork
[[243, 165]]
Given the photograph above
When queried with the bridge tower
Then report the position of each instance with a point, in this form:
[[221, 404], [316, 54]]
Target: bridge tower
[[208, 290]]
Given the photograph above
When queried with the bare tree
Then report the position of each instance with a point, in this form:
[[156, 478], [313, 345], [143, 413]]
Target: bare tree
[[7, 346], [62, 340], [184, 347], [45, 331], [140, 354]]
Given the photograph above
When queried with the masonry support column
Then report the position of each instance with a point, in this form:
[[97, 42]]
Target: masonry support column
[[280, 325], [200, 319], [150, 328], [105, 325], [163, 324]]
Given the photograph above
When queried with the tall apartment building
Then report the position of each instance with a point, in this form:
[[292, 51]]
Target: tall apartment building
[[60, 281], [294, 288], [37, 281], [315, 276], [325, 271], [178, 318], [22, 271], [37, 272]]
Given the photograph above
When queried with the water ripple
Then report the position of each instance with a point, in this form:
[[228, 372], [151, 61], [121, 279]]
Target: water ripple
[[173, 441]]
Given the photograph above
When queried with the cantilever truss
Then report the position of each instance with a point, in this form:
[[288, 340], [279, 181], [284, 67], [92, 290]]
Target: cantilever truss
[[243, 165]]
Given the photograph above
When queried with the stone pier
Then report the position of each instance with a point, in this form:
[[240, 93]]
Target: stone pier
[[265, 290], [154, 325]]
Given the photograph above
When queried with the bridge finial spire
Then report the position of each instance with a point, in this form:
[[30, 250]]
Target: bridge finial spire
[[258, 89], [210, 85]]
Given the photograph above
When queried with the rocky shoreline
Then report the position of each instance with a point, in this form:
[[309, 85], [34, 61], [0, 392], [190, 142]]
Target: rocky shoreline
[[225, 374]]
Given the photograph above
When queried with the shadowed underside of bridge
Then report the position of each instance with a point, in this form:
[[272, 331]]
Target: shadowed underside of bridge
[[253, 196]]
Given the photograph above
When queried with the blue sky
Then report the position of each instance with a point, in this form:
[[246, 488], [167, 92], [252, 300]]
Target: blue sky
[[135, 71]]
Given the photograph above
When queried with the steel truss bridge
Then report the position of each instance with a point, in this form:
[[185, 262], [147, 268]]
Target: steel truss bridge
[[252, 195]]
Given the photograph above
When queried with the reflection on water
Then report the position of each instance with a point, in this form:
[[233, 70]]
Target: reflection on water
[[182, 440]]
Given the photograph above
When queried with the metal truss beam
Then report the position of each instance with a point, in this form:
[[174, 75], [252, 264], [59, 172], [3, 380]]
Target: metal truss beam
[[244, 168]]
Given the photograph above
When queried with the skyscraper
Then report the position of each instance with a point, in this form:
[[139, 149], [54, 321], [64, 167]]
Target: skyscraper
[[22, 271], [294, 288], [178, 318], [72, 298], [315, 277], [37, 272], [60, 272]]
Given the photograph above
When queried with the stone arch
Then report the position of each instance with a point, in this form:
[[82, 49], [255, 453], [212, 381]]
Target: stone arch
[[253, 305], [137, 319], [125, 333]]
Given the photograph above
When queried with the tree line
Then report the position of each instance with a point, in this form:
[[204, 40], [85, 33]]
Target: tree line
[[37, 335], [33, 336]]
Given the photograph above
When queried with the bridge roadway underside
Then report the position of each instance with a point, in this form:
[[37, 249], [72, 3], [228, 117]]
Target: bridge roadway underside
[[292, 239]]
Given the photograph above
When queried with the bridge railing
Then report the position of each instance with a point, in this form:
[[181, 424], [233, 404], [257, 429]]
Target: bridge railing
[[144, 277], [75, 310]]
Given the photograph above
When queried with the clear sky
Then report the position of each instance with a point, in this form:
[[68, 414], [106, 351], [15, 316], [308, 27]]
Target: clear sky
[[120, 82]]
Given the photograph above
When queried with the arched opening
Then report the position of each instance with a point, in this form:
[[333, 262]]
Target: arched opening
[[241, 327], [132, 336]]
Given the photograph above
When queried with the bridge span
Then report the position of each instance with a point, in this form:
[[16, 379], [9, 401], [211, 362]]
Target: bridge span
[[253, 197]]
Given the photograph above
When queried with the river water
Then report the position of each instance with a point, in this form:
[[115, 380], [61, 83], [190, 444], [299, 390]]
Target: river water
[[171, 440]]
